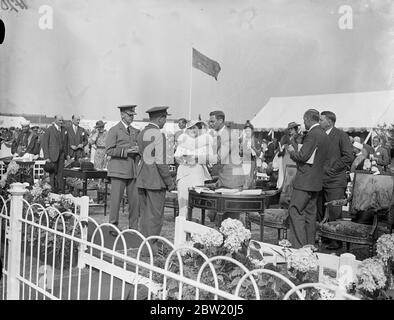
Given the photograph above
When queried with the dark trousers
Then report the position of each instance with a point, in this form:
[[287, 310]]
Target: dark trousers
[[329, 194], [151, 211], [56, 178], [117, 191], [302, 218]]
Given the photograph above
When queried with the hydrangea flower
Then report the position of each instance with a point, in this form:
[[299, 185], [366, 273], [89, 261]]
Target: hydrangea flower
[[235, 234], [371, 275], [303, 260], [209, 239], [385, 247], [326, 294], [12, 168]]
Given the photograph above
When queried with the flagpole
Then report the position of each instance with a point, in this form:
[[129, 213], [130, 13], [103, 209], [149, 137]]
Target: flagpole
[[191, 86]]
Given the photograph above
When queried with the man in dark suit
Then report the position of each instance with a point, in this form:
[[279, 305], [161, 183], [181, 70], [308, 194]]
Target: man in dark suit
[[269, 154], [380, 155], [153, 177], [55, 149], [121, 146], [310, 160], [77, 138], [27, 141], [340, 158]]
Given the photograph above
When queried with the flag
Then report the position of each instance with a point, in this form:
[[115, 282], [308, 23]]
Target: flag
[[205, 64]]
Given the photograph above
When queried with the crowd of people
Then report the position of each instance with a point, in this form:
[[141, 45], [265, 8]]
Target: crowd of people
[[138, 162]]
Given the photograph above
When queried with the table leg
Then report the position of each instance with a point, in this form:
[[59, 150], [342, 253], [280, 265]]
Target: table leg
[[64, 185], [262, 226], [220, 218], [203, 216], [85, 187], [105, 198], [189, 213]]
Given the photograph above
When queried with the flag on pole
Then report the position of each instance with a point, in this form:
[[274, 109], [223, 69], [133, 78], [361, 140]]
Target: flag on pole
[[205, 64]]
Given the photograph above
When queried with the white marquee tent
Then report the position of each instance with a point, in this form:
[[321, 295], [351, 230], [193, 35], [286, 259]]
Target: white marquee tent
[[9, 121], [359, 111]]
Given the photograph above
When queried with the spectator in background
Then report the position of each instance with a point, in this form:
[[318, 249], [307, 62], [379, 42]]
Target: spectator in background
[[361, 154], [270, 153], [77, 139], [26, 142], [380, 154], [97, 142], [182, 129], [249, 151]]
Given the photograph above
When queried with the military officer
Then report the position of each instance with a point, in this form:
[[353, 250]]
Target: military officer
[[121, 146], [153, 178]]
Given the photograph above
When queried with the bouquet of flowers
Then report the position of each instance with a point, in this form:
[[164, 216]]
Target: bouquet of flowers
[[371, 277]]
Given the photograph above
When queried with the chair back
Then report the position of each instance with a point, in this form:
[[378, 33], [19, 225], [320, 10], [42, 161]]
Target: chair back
[[373, 193], [287, 187]]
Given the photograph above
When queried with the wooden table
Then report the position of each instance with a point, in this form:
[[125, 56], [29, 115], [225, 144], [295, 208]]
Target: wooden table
[[84, 176], [222, 203]]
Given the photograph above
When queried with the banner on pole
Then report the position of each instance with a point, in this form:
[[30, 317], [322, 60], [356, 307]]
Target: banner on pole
[[205, 64]]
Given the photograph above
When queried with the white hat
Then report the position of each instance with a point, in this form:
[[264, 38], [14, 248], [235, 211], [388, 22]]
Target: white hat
[[25, 123], [192, 123], [358, 145]]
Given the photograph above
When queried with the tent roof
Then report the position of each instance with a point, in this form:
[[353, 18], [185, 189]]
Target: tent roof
[[8, 121], [358, 111]]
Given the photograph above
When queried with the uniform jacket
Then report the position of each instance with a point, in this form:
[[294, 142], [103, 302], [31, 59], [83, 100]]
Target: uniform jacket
[[153, 172], [33, 144], [309, 177], [117, 142], [76, 138], [53, 142], [340, 158]]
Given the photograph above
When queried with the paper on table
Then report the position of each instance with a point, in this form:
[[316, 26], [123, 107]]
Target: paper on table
[[224, 190]]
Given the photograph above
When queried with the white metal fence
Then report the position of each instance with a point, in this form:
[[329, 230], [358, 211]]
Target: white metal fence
[[52, 255]]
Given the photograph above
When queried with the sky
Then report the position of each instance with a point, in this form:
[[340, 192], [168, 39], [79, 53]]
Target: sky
[[105, 53]]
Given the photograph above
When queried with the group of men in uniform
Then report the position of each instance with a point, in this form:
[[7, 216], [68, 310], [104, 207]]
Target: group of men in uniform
[[138, 165]]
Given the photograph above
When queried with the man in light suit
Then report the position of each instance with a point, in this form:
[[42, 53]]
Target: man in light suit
[[308, 181], [153, 178], [54, 145], [229, 165], [340, 158], [77, 138], [121, 146]]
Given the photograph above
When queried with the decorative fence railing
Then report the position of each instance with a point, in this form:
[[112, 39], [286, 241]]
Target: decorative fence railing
[[48, 254]]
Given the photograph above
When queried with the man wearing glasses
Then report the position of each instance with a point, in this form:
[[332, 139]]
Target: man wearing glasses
[[121, 146]]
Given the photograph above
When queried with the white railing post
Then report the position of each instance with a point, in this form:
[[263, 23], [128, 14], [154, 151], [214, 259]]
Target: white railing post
[[14, 235], [180, 234]]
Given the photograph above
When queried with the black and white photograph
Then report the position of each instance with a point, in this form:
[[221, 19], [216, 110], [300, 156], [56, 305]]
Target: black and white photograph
[[170, 151]]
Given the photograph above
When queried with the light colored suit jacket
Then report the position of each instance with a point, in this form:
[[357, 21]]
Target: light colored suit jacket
[[117, 142]]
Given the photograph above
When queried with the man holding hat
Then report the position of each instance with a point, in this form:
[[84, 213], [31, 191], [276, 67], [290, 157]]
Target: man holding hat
[[27, 141], [77, 138], [55, 148], [121, 146], [153, 177]]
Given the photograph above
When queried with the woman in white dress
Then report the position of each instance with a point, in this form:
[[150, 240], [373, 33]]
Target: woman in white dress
[[194, 150]]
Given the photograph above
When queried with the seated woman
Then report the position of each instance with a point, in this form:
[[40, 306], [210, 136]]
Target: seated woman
[[194, 150], [361, 154]]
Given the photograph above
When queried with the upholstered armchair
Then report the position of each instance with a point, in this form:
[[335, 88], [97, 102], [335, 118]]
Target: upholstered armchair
[[371, 203], [277, 218]]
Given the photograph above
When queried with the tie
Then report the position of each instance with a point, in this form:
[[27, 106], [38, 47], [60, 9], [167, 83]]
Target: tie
[[219, 147], [128, 130]]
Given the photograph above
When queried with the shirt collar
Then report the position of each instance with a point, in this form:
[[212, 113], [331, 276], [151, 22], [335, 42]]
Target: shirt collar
[[56, 126], [219, 132], [315, 125], [329, 131], [154, 124], [125, 125]]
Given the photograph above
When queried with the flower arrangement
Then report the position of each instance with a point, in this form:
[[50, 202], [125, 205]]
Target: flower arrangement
[[301, 262], [235, 235], [385, 247], [14, 173], [371, 276]]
